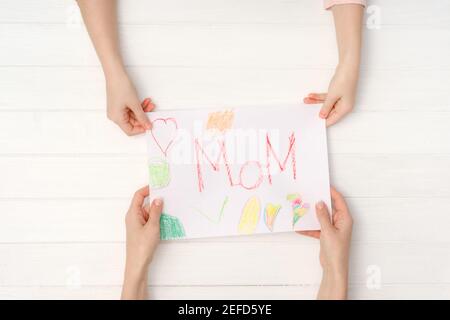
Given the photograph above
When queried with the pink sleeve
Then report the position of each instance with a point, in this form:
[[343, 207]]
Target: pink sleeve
[[329, 3]]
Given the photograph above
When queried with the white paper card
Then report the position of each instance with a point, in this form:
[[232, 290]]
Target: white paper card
[[238, 171]]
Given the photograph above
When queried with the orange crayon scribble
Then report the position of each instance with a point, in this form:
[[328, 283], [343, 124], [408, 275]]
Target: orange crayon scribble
[[220, 121]]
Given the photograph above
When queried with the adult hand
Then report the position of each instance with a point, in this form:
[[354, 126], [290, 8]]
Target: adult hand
[[124, 108], [335, 233], [142, 227], [335, 236]]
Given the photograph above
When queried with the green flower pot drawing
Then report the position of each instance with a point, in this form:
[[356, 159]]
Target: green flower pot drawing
[[170, 227], [159, 173]]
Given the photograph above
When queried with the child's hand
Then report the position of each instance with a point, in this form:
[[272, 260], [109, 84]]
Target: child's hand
[[124, 107], [335, 235], [341, 94], [142, 224]]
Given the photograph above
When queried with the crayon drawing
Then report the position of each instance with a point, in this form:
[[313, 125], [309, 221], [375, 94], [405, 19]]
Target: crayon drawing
[[159, 173], [237, 172], [270, 214], [250, 216], [299, 208], [164, 124], [214, 219], [220, 121], [170, 227]]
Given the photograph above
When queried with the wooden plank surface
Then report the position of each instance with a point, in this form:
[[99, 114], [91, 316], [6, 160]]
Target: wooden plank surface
[[272, 46], [67, 173], [389, 291], [65, 87], [257, 262], [84, 220], [89, 133]]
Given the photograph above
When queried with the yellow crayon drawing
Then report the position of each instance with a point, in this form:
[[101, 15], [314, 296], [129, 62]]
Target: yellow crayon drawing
[[270, 213], [220, 121], [250, 216]]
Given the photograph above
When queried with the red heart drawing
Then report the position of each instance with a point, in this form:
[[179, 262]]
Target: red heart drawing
[[169, 143]]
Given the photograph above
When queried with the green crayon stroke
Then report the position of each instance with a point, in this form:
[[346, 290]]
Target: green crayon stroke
[[159, 174], [170, 227], [296, 218], [219, 218], [223, 207]]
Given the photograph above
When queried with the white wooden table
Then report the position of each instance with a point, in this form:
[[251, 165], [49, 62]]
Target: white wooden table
[[67, 173]]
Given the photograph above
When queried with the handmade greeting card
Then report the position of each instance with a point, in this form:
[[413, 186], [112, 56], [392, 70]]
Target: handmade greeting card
[[238, 171]]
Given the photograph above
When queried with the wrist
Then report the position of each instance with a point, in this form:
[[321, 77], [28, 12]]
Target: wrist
[[337, 266], [336, 274], [334, 284], [134, 284], [350, 63], [135, 273], [115, 71]]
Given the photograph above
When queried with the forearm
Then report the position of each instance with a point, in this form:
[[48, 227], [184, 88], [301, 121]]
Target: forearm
[[334, 285], [348, 23], [100, 18], [134, 285]]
